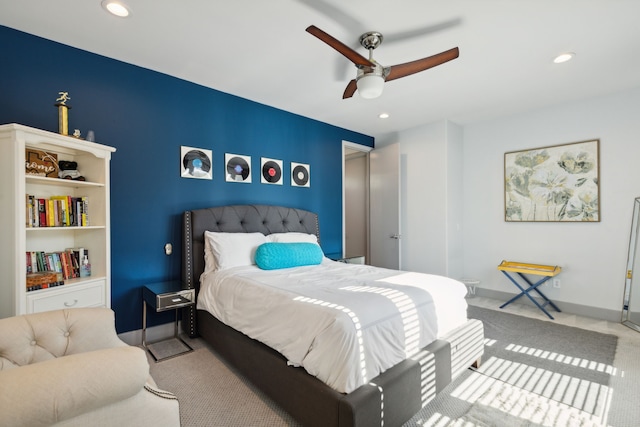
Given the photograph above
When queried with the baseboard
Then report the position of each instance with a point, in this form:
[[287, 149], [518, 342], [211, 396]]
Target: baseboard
[[565, 307], [154, 333]]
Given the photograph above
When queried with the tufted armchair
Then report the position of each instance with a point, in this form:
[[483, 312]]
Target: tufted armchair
[[69, 368]]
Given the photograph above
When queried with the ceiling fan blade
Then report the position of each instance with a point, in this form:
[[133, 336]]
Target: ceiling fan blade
[[349, 53], [421, 31], [336, 14], [408, 68], [350, 89]]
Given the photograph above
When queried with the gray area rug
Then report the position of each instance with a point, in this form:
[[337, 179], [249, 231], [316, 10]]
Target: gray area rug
[[477, 400], [534, 373], [570, 365]]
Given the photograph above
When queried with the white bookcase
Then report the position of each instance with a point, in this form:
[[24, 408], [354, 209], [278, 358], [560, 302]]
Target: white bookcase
[[17, 238]]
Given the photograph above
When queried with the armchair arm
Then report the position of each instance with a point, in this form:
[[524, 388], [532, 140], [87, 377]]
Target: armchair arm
[[44, 393]]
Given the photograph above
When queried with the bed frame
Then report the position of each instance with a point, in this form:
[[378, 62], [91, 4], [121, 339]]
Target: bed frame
[[390, 399]]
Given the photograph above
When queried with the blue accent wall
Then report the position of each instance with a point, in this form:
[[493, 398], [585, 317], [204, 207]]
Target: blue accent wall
[[147, 116]]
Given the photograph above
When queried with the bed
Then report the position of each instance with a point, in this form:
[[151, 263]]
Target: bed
[[389, 398]]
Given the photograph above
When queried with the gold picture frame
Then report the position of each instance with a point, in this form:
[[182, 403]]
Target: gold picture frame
[[559, 183]]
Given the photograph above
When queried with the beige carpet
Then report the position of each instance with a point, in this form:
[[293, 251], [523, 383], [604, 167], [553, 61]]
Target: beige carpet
[[212, 395]]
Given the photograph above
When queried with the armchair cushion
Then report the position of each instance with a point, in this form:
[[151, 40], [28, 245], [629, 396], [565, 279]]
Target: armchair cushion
[[69, 386]]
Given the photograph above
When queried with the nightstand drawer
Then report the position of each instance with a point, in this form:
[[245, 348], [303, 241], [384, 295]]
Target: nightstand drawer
[[85, 295], [177, 300], [161, 298]]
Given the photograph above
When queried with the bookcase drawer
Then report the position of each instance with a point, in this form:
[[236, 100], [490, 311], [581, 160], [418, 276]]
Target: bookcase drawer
[[86, 295]]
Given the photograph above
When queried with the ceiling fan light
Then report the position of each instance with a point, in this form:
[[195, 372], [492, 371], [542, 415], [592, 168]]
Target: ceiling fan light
[[370, 86]]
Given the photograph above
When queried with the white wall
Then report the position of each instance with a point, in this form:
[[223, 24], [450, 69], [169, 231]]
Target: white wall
[[592, 255], [431, 199], [455, 201]]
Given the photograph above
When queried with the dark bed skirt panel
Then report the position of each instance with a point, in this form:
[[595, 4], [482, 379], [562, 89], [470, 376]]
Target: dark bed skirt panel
[[398, 394]]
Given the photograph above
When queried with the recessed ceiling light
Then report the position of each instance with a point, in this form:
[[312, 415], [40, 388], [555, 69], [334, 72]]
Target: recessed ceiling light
[[116, 8], [384, 115], [564, 57]]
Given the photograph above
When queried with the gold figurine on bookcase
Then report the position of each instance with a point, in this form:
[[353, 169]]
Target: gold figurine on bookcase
[[63, 112]]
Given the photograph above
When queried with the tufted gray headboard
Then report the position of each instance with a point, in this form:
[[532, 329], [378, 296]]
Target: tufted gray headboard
[[232, 219]]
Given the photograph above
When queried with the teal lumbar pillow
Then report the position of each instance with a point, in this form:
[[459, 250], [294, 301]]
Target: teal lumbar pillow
[[272, 256]]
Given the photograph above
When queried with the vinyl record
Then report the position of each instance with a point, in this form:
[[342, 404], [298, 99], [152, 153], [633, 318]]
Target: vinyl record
[[238, 169], [196, 159], [300, 175], [271, 171]]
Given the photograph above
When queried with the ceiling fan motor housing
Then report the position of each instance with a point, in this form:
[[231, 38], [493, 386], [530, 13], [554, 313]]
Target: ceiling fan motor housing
[[371, 40]]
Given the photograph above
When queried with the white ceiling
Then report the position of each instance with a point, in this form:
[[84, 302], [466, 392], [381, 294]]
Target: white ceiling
[[259, 50]]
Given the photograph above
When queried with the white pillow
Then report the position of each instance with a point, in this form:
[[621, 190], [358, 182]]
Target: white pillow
[[226, 250], [292, 237]]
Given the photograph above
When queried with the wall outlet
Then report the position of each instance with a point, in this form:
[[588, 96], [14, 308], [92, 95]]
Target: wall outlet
[[556, 283]]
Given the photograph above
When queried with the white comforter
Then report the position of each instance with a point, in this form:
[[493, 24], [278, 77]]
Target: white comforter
[[344, 323]]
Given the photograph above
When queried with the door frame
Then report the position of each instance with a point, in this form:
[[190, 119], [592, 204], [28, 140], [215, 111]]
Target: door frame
[[348, 145]]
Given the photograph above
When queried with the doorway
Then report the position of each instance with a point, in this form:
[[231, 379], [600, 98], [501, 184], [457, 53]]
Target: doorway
[[355, 200]]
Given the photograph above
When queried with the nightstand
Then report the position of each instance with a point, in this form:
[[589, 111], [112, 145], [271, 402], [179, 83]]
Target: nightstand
[[165, 296]]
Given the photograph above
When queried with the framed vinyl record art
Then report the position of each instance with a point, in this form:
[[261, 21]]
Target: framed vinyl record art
[[300, 175], [238, 168], [560, 183], [195, 163], [271, 171]]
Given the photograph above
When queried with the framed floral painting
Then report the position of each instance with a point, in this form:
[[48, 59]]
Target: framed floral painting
[[553, 184]]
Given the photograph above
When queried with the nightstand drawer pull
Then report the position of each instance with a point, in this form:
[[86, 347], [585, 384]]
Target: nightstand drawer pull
[[71, 304]]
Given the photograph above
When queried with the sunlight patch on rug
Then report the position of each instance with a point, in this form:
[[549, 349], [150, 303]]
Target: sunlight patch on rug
[[580, 393], [495, 403], [577, 362]]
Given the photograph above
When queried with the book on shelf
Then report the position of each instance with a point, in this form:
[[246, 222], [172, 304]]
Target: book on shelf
[[43, 280], [84, 211], [80, 258], [42, 212], [68, 264], [30, 211], [62, 206], [57, 211]]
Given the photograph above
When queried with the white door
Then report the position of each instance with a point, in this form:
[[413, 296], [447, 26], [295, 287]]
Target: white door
[[384, 185]]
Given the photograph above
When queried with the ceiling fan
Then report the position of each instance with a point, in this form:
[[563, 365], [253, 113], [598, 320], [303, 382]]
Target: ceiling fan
[[371, 75]]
